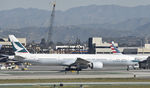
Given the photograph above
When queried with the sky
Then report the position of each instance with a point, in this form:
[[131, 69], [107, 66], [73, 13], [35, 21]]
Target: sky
[[66, 4]]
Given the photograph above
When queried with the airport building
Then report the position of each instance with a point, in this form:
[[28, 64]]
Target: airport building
[[78, 49], [97, 46], [7, 47], [136, 50], [144, 50]]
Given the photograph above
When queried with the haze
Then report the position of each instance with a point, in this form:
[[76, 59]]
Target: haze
[[66, 4]]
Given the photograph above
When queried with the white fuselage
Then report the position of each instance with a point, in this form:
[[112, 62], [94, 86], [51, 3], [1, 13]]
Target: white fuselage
[[67, 59], [140, 57]]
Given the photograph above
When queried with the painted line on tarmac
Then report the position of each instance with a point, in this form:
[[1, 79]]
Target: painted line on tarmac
[[77, 83]]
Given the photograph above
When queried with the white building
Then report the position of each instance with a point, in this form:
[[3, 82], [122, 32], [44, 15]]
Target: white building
[[96, 45]]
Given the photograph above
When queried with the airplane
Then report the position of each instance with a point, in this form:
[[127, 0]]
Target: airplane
[[139, 57], [75, 62], [4, 57], [7, 61]]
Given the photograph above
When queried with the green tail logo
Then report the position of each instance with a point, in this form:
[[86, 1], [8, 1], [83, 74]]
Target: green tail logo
[[17, 47]]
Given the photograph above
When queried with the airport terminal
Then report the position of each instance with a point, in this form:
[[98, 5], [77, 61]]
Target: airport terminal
[[89, 46]]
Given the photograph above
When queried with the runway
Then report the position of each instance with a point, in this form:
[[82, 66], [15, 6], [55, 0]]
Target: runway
[[56, 73], [76, 83]]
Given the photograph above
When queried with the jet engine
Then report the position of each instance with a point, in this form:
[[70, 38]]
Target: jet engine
[[96, 65]]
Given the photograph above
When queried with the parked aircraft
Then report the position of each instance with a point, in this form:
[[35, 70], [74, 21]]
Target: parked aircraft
[[72, 61], [114, 49], [139, 57], [4, 57]]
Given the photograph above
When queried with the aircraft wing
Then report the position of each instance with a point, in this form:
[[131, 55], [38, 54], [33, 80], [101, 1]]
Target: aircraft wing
[[81, 63], [12, 61], [19, 58], [3, 55], [2, 59]]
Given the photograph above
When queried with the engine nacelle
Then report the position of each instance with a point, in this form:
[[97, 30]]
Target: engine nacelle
[[96, 65]]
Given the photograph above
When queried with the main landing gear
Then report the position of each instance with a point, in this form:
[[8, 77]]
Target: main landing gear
[[72, 70]]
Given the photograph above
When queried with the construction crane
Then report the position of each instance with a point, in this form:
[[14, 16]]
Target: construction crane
[[49, 37]]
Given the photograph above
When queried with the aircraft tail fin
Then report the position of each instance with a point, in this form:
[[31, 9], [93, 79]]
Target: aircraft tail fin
[[17, 46], [114, 49]]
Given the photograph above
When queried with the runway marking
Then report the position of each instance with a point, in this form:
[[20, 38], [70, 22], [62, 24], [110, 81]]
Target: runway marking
[[77, 83], [83, 74]]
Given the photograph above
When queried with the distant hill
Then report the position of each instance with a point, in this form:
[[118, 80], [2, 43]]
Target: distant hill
[[19, 17], [62, 33], [81, 22]]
